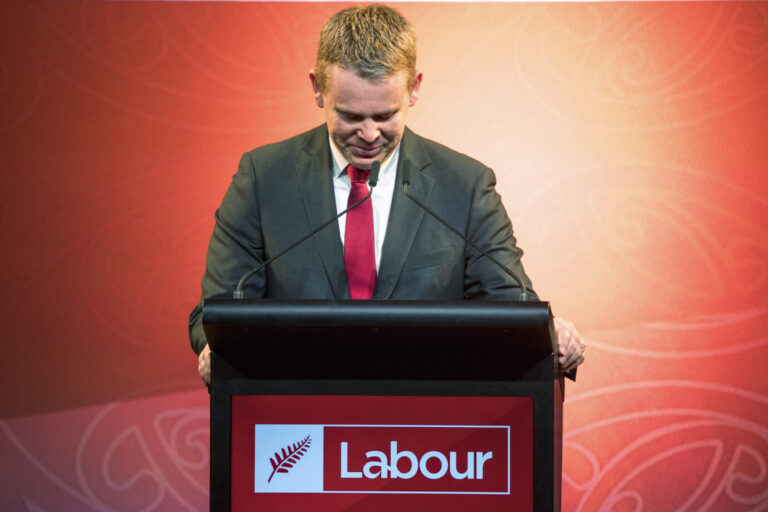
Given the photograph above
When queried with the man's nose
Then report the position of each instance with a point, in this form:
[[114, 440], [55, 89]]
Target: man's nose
[[368, 131]]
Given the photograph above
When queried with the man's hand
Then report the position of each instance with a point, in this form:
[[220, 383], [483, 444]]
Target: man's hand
[[570, 347], [204, 365]]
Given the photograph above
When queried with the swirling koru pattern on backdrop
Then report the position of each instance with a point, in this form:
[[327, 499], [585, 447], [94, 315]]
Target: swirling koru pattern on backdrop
[[149, 454], [666, 443]]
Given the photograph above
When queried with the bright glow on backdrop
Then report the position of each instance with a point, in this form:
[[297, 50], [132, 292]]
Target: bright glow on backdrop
[[629, 141]]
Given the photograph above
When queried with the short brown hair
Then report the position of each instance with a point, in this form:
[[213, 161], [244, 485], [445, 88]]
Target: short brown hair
[[375, 41]]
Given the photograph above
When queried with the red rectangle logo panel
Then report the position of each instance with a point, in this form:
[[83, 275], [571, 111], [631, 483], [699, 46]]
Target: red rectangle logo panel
[[333, 453]]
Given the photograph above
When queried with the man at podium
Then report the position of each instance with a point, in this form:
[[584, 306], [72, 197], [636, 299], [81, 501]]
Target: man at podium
[[396, 184]]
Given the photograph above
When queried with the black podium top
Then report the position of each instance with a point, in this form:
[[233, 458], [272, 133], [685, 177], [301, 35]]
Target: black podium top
[[503, 331]]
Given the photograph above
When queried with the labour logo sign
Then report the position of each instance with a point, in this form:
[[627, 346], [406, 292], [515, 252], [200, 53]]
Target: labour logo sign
[[380, 459], [385, 453]]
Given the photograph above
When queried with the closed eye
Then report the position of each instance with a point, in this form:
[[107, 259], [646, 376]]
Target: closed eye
[[350, 117], [383, 117], [353, 117]]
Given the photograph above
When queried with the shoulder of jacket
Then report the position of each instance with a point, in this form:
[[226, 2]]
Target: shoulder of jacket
[[445, 160], [289, 147]]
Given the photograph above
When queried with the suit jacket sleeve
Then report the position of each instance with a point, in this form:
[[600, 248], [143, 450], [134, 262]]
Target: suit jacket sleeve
[[490, 228], [234, 249]]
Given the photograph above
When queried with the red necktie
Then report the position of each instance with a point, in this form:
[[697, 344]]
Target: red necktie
[[359, 255]]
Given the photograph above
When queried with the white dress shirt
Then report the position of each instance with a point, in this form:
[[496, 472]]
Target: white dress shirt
[[381, 197]]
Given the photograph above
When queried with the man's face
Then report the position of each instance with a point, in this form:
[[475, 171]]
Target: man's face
[[366, 118]]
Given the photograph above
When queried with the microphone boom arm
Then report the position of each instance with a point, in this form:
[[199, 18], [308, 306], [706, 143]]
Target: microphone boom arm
[[372, 180], [406, 180]]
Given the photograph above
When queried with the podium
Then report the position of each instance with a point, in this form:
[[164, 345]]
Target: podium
[[383, 405]]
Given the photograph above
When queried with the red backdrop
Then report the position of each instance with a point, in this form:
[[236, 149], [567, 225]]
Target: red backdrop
[[629, 141]]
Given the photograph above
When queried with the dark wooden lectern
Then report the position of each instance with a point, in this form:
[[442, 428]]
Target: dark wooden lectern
[[383, 349]]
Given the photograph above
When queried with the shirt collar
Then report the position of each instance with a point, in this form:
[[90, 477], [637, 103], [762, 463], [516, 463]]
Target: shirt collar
[[389, 166]]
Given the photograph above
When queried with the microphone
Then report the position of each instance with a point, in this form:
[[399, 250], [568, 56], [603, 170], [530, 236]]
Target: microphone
[[406, 178], [373, 178]]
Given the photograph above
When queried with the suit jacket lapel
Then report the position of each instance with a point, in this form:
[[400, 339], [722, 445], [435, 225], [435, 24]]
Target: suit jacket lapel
[[314, 175], [405, 216]]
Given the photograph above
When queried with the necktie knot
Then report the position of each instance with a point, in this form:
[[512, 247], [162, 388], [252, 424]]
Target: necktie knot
[[357, 175]]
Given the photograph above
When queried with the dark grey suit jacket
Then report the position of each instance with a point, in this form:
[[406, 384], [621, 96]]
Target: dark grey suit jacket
[[282, 191]]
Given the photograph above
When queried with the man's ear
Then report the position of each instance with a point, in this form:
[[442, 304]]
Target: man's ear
[[316, 92], [415, 91]]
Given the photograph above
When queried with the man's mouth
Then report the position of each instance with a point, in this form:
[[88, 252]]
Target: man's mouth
[[366, 152]]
